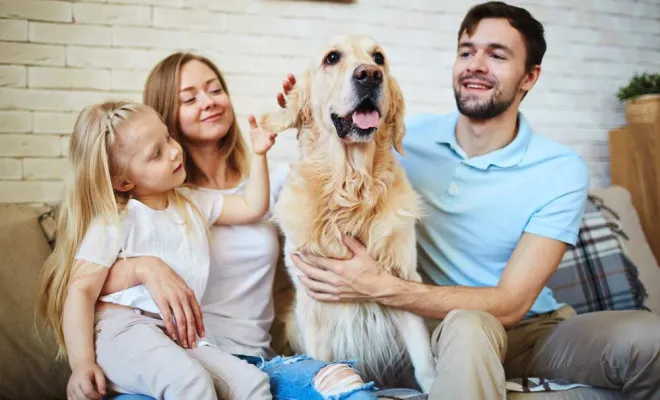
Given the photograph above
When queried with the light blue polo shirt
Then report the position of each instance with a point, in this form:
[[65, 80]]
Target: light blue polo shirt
[[476, 209]]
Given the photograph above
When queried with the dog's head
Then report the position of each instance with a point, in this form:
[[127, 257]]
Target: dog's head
[[348, 92]]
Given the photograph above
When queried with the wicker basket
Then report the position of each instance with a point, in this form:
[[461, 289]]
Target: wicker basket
[[643, 109]]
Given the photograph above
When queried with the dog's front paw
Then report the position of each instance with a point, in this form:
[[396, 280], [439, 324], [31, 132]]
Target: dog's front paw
[[275, 122]]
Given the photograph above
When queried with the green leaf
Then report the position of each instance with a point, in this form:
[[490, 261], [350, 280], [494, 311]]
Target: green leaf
[[639, 85]]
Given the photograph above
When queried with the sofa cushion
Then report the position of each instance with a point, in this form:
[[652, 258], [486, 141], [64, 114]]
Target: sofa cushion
[[619, 210], [595, 274], [28, 369]]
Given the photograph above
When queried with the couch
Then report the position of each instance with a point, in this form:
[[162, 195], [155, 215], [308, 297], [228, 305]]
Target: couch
[[29, 370]]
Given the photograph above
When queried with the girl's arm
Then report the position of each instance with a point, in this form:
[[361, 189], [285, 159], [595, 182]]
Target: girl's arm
[[78, 328], [173, 297], [252, 206]]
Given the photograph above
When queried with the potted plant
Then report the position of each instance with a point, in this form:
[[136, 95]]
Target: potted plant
[[642, 98]]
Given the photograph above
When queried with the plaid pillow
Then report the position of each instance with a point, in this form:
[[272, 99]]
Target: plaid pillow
[[596, 274], [48, 223]]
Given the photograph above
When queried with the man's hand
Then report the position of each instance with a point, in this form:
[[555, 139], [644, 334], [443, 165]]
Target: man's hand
[[357, 279]]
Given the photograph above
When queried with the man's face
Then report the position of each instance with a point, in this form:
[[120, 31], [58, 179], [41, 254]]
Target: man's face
[[489, 72]]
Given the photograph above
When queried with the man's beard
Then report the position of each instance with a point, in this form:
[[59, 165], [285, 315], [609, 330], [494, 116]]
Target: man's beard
[[483, 110]]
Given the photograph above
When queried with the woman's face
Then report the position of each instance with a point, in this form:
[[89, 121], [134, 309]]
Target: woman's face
[[205, 112]]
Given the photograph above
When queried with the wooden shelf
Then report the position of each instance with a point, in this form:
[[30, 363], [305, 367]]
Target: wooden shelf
[[635, 165]]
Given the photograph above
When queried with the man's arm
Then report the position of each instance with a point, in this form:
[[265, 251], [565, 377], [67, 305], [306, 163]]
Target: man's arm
[[533, 261]]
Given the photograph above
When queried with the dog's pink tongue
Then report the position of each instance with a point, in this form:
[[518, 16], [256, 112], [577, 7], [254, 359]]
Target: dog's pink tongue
[[365, 120]]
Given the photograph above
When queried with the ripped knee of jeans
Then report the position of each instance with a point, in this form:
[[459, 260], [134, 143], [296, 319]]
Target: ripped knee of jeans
[[338, 379]]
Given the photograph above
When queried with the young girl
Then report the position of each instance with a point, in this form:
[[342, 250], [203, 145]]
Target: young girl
[[123, 200]]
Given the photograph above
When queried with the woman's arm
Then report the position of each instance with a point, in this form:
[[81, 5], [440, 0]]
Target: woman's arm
[[172, 295], [78, 329], [123, 274]]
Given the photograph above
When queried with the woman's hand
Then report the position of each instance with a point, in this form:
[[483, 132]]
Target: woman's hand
[[174, 298], [87, 382], [262, 140], [287, 85]]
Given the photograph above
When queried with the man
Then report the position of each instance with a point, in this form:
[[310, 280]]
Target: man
[[501, 205]]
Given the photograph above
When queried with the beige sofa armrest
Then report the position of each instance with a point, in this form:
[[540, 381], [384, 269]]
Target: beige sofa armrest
[[637, 248]]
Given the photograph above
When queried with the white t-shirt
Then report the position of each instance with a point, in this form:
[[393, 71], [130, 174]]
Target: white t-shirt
[[143, 231], [237, 305]]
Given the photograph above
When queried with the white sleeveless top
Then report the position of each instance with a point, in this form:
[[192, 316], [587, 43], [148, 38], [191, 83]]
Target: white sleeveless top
[[238, 302]]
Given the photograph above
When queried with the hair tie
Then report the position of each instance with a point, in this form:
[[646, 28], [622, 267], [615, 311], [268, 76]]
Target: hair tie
[[108, 123]]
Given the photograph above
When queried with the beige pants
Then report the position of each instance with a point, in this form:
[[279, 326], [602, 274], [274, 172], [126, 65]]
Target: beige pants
[[138, 357], [615, 351]]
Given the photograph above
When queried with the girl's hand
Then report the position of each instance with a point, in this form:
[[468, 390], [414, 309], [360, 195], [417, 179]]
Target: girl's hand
[[87, 382], [262, 140]]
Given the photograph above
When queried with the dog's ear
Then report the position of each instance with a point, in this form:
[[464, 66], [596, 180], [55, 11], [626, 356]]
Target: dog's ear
[[395, 115], [298, 111]]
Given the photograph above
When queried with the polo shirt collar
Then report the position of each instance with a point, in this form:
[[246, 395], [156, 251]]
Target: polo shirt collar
[[506, 157]]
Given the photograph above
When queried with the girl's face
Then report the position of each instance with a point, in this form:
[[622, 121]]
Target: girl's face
[[152, 159], [205, 112]]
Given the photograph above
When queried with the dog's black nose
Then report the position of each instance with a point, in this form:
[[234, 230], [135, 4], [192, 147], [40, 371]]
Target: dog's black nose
[[368, 75]]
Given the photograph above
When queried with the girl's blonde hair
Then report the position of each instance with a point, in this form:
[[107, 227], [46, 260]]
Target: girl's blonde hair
[[88, 194], [161, 92]]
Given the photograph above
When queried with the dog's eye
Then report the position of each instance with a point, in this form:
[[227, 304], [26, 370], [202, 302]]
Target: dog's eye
[[379, 58], [332, 58]]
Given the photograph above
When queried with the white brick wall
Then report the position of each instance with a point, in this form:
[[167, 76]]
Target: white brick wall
[[58, 56]]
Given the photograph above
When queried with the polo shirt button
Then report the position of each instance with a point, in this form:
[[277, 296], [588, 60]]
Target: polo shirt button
[[453, 189]]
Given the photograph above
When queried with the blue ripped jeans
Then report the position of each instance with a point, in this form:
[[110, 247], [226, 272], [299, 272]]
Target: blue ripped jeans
[[292, 378]]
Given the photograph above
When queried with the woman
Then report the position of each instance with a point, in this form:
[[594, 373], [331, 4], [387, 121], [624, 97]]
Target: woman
[[191, 95]]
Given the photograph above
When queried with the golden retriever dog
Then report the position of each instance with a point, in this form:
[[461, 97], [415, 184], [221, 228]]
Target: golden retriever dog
[[349, 110]]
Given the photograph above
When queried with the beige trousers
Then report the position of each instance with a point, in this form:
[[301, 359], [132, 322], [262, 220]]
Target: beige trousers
[[138, 357], [616, 352]]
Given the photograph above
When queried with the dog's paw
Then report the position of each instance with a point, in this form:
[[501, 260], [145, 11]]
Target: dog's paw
[[272, 122]]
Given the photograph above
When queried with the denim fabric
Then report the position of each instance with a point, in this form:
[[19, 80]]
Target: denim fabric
[[292, 378]]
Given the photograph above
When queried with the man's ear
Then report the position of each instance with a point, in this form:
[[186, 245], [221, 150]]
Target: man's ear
[[531, 78], [122, 185]]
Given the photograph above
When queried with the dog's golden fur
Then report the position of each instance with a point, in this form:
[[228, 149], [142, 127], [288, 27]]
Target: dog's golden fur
[[353, 186]]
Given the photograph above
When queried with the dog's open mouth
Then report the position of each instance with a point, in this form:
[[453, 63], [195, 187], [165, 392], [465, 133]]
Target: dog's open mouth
[[363, 120]]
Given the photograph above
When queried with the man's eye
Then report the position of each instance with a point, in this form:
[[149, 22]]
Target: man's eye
[[464, 54], [497, 57], [157, 153]]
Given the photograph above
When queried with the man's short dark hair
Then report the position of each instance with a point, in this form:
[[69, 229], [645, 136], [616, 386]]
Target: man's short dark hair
[[531, 30]]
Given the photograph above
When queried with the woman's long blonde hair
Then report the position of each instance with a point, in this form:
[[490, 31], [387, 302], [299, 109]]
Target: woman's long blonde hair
[[161, 92], [88, 194]]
